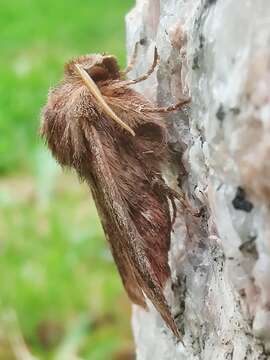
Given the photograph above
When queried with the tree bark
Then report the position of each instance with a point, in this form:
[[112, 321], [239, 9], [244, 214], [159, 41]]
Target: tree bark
[[216, 51]]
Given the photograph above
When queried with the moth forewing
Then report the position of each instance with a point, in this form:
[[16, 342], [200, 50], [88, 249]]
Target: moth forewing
[[109, 200]]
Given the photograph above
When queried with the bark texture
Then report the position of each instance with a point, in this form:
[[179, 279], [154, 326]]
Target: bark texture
[[218, 51]]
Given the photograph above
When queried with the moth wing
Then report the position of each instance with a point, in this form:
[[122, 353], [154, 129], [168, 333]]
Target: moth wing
[[127, 245], [69, 126]]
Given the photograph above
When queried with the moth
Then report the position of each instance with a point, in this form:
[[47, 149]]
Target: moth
[[116, 140]]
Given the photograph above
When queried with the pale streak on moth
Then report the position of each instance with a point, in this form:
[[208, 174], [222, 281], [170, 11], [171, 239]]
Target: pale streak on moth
[[122, 171], [95, 91]]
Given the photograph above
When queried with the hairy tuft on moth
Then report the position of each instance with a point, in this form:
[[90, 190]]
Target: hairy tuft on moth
[[116, 140]]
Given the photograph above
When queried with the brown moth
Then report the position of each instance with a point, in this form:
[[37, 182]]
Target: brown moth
[[116, 140]]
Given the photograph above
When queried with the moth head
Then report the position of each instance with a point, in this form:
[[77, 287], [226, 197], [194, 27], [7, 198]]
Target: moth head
[[99, 67], [94, 68]]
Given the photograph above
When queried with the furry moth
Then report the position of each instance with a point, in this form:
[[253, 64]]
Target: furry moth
[[116, 141]]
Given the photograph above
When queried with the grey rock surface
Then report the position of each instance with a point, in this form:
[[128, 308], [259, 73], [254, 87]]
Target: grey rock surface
[[217, 52]]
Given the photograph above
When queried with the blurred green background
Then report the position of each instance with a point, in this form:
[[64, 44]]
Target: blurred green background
[[60, 294]]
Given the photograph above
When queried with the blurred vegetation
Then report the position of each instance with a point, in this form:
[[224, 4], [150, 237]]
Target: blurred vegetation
[[60, 295]]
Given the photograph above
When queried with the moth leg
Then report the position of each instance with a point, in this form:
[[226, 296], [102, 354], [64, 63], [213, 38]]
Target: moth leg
[[160, 185], [172, 195], [132, 60], [167, 109], [174, 208], [147, 74]]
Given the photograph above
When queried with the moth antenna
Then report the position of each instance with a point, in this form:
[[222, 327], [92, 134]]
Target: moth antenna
[[132, 60], [94, 90], [148, 73]]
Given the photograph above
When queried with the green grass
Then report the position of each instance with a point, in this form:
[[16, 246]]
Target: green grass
[[59, 288], [56, 272]]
